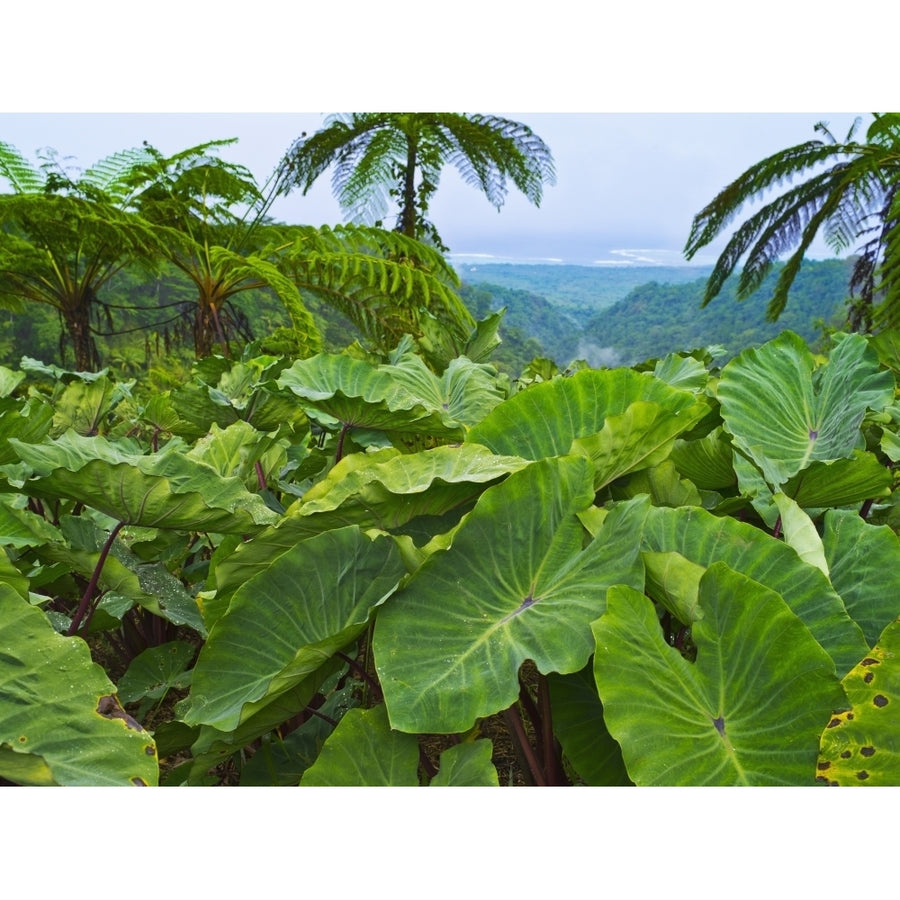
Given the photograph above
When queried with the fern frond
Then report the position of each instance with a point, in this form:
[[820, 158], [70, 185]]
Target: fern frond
[[110, 175], [760, 178], [24, 177]]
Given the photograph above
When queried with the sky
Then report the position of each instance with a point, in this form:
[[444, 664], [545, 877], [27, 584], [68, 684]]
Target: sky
[[649, 111], [627, 184]]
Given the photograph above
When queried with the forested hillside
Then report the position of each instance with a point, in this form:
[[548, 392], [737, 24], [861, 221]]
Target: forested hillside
[[651, 316], [580, 290]]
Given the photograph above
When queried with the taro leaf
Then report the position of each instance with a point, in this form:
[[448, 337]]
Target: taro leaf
[[864, 564], [211, 746], [384, 489], [360, 395], [862, 744], [663, 484], [287, 621], [466, 392], [165, 490], [224, 392], [282, 761], [9, 380], [749, 711], [515, 584], [707, 461], [467, 765], [800, 533], [682, 371], [197, 411], [58, 710], [674, 583], [484, 339], [578, 725], [85, 406], [30, 424], [22, 528], [55, 373], [12, 577], [363, 751], [704, 539], [159, 414], [784, 412], [156, 671], [842, 482], [235, 452], [637, 439], [544, 420]]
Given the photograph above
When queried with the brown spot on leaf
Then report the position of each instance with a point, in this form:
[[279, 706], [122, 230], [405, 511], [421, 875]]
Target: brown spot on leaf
[[880, 700], [868, 661], [867, 751], [150, 750], [110, 708], [867, 678], [833, 723], [822, 766], [846, 754], [139, 782], [862, 776]]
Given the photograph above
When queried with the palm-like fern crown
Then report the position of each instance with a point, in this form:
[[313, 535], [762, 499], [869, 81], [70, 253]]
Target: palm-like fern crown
[[848, 194], [376, 157]]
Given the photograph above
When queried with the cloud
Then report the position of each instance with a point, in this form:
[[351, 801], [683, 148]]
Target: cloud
[[598, 357]]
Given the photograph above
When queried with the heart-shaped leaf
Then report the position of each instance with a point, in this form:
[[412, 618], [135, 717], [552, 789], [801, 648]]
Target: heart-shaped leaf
[[749, 710], [516, 583]]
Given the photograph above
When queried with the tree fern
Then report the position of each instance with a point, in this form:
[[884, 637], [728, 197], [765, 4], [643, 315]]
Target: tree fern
[[22, 176], [851, 200], [380, 157]]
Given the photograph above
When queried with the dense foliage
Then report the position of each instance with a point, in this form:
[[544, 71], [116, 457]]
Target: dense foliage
[[357, 570], [609, 317], [388, 562]]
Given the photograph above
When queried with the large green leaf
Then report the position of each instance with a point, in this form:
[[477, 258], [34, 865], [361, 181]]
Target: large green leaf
[[467, 765], [287, 621], [544, 420], [361, 395], [60, 722], [785, 412], [164, 490], [862, 745], [578, 724], [363, 751], [384, 490], [641, 437], [864, 568], [749, 711], [515, 584], [466, 391], [706, 461], [704, 539]]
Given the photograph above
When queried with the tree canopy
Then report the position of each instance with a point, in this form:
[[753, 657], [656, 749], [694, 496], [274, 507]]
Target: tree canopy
[[848, 193], [385, 158]]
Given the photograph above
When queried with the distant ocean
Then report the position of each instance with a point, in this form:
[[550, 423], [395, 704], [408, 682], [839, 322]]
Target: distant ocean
[[615, 258]]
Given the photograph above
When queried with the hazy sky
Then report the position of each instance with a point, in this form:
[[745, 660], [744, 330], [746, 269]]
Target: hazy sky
[[628, 184], [683, 96]]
